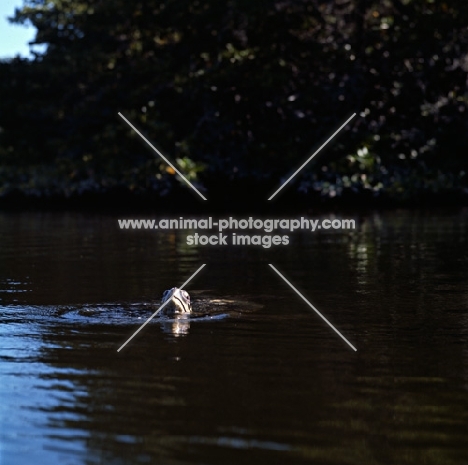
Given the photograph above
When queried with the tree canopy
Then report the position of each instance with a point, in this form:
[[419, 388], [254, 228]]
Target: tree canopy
[[237, 90]]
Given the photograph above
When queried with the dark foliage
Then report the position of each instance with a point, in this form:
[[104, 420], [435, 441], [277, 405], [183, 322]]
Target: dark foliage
[[238, 91]]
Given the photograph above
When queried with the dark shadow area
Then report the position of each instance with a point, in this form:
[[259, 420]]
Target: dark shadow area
[[237, 95]]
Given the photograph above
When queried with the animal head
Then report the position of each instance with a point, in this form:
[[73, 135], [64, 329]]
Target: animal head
[[179, 301]]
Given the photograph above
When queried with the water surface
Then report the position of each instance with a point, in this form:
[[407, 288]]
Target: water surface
[[268, 381]]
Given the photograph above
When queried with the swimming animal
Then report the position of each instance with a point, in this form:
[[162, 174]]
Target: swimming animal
[[179, 302]]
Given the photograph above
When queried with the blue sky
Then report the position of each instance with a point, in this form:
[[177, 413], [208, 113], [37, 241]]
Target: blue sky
[[13, 38]]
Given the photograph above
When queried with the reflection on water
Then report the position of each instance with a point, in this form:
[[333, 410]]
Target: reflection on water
[[254, 377], [179, 326]]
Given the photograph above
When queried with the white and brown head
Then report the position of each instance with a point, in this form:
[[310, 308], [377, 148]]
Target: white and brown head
[[179, 301]]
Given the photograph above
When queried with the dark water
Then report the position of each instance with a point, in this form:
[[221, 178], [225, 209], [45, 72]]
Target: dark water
[[265, 381]]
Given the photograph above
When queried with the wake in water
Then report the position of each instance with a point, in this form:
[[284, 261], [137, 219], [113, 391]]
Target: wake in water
[[204, 310]]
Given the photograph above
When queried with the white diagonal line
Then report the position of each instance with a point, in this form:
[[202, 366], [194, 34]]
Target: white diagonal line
[[162, 156], [313, 308], [315, 153], [157, 311]]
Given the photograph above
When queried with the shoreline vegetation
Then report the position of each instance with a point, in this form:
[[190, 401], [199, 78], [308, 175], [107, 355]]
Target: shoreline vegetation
[[237, 95], [240, 197]]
